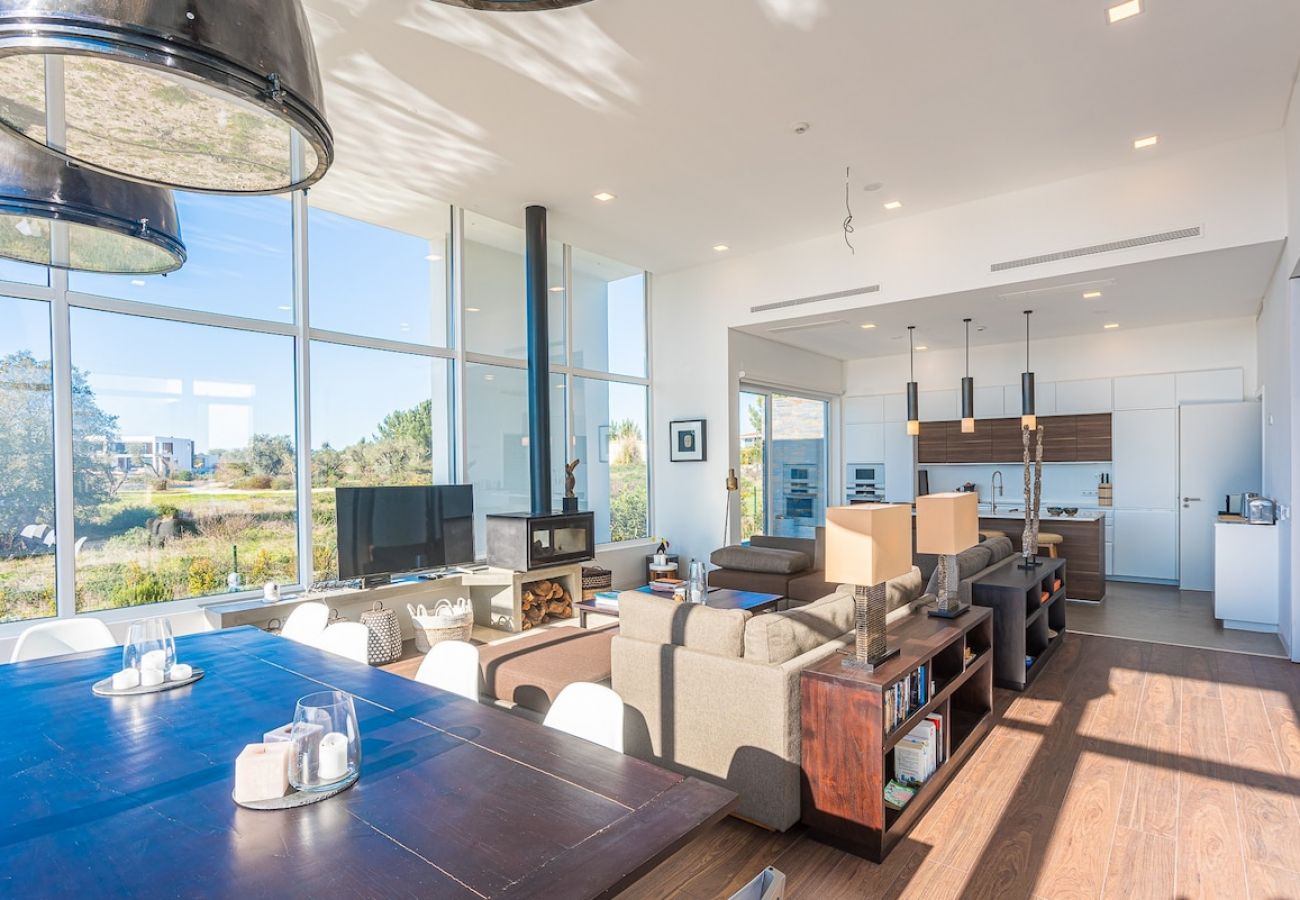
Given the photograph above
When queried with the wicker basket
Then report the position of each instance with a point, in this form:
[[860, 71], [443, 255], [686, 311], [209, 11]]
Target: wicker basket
[[447, 622], [594, 579], [385, 643]]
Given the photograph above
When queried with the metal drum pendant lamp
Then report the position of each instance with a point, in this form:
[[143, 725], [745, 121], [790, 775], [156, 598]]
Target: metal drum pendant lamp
[[1028, 417], [200, 95], [513, 5], [112, 226], [913, 392], [967, 391]]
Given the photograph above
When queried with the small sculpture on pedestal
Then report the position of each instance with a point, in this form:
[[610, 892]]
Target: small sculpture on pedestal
[[570, 483]]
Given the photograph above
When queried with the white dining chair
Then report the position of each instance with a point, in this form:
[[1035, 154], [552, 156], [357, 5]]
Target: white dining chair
[[306, 623], [64, 636], [349, 639], [592, 712], [451, 666]]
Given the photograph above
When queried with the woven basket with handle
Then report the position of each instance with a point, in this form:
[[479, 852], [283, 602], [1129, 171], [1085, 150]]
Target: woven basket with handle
[[385, 643], [447, 622]]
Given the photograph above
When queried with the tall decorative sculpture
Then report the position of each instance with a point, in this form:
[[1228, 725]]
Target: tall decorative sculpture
[[1031, 439]]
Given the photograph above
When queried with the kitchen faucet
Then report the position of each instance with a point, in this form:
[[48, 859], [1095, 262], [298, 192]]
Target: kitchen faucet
[[995, 491]]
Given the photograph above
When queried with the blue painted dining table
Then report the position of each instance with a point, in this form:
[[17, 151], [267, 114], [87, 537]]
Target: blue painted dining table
[[117, 796]]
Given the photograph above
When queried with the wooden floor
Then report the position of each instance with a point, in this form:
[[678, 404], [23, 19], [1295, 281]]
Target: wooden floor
[[1128, 770], [1167, 615]]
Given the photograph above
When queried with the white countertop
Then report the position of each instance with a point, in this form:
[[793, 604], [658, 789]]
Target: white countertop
[[1014, 512]]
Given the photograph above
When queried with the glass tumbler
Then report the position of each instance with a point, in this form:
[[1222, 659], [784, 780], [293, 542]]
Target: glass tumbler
[[698, 582], [326, 742], [149, 646]]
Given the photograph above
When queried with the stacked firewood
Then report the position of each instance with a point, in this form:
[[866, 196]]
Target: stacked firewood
[[543, 599]]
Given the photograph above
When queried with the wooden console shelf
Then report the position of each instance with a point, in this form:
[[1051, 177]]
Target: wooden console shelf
[[1024, 623], [848, 756]]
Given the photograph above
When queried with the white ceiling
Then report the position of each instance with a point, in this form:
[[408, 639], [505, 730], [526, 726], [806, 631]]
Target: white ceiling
[[1220, 284], [684, 108]]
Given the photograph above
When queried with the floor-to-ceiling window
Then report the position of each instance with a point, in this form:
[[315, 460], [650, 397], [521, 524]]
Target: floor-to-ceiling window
[[783, 456]]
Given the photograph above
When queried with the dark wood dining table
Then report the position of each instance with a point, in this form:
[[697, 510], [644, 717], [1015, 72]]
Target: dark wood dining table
[[120, 796]]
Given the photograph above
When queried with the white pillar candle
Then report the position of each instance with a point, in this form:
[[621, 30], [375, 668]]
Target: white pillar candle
[[333, 757], [154, 659], [179, 672], [262, 772], [151, 677], [126, 679]]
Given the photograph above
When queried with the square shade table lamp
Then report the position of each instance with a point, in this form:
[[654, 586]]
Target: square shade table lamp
[[947, 524], [866, 545]]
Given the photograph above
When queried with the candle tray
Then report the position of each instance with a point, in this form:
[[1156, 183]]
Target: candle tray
[[104, 687], [295, 799]]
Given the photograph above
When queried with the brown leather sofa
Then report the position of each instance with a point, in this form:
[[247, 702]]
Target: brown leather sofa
[[771, 565]]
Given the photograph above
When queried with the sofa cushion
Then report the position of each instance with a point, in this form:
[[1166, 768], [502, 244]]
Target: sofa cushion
[[809, 587], [903, 590], [660, 620], [771, 560], [764, 583], [774, 638], [969, 561], [999, 548], [802, 545]]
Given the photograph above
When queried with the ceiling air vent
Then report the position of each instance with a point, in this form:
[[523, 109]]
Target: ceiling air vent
[[816, 298], [1126, 244]]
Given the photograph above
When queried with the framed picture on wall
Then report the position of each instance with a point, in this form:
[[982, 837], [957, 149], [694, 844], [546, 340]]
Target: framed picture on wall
[[687, 441]]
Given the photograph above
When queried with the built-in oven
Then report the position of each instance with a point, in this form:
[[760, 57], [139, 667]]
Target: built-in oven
[[864, 483], [800, 488]]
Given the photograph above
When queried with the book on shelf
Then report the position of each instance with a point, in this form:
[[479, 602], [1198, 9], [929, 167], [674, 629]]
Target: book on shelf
[[897, 795], [665, 585], [916, 757], [907, 695], [937, 720]]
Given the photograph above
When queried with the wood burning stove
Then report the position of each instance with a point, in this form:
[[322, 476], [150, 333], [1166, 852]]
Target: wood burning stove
[[523, 541]]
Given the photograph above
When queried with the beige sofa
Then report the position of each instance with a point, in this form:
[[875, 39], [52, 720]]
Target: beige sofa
[[715, 693]]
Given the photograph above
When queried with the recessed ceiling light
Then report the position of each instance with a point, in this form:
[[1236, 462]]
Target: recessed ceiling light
[[489, 377], [894, 204], [433, 257], [1150, 141], [604, 196], [558, 289], [1121, 11], [1091, 295], [868, 324], [1110, 325], [922, 347], [720, 248]]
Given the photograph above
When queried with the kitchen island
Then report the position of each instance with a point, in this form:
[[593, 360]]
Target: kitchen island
[[1083, 543]]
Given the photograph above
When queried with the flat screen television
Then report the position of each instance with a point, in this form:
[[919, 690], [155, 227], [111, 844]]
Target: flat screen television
[[386, 530]]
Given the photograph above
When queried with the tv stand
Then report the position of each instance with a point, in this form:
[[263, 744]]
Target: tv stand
[[370, 581]]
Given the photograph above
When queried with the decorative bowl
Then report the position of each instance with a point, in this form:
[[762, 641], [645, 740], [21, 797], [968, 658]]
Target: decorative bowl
[[1054, 510], [1071, 510]]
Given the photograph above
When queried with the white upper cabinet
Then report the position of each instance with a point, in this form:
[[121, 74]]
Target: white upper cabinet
[[895, 407], [1144, 467], [1087, 396], [1044, 399], [864, 409], [1146, 392], [1214, 386], [865, 443], [988, 403], [940, 406]]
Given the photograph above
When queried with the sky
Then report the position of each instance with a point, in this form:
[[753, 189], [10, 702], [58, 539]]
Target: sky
[[217, 386]]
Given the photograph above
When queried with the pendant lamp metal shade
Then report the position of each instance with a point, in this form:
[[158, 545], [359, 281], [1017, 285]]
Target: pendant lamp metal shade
[[513, 5], [205, 95], [967, 391], [114, 226], [1028, 415], [913, 390]]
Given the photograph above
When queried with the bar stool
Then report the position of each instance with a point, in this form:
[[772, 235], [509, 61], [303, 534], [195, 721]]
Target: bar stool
[[1048, 540], [989, 534]]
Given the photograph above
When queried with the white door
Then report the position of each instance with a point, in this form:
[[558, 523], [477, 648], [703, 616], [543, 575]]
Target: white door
[[1219, 452]]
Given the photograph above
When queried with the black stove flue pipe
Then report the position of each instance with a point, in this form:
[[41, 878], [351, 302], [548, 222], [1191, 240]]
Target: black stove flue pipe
[[539, 357]]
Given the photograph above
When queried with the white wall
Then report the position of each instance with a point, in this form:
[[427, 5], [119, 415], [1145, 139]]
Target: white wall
[[1221, 344], [1231, 191]]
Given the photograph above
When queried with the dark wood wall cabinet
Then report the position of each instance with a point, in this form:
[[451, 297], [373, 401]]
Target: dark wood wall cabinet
[[848, 755], [1065, 439]]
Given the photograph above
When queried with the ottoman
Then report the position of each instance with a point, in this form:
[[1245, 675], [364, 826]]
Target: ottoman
[[530, 672]]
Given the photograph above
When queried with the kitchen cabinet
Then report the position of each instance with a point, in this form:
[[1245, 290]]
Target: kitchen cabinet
[[976, 447], [1146, 544], [1144, 446], [933, 442], [1093, 437], [862, 410], [900, 462], [1085, 396], [1146, 392], [895, 407], [1008, 441], [865, 443], [1214, 386], [1060, 438], [989, 403], [939, 406]]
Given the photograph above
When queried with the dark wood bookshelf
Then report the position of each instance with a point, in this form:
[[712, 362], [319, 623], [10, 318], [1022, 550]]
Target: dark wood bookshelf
[[1024, 624], [848, 756]]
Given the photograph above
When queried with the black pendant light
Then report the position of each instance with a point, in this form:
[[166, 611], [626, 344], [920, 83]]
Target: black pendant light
[[913, 393], [112, 225], [1028, 418], [202, 95], [967, 391], [513, 5]]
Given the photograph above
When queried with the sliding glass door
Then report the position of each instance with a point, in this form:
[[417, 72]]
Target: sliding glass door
[[783, 463]]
